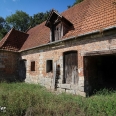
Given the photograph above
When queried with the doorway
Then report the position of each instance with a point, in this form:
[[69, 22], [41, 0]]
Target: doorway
[[22, 70], [70, 67], [100, 71]]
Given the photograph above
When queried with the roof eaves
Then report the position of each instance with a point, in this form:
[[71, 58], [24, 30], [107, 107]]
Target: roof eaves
[[95, 31], [9, 51], [72, 37]]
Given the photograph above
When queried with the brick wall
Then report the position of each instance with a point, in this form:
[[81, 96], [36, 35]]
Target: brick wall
[[8, 65], [55, 52]]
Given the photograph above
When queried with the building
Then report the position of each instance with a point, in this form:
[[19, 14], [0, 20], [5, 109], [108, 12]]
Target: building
[[71, 52]]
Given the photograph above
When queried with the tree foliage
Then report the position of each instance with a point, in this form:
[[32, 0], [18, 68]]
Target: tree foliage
[[76, 2], [2, 22], [20, 20], [4, 27], [38, 18]]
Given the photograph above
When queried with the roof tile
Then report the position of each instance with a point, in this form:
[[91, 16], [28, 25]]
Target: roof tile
[[13, 40]]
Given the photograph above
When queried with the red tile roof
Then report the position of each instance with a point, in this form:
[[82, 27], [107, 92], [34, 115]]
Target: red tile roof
[[13, 40], [86, 17], [5, 38], [91, 15], [38, 35]]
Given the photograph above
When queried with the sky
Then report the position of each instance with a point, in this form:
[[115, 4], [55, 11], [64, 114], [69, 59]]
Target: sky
[[9, 7]]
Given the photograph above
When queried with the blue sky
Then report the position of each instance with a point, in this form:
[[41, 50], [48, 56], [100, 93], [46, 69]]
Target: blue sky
[[8, 7]]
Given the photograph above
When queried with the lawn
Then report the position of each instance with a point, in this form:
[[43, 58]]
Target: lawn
[[21, 99]]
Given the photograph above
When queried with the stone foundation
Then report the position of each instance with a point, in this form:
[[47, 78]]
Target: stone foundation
[[76, 89]]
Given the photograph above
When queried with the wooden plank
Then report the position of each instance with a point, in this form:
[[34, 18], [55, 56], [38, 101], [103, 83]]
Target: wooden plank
[[102, 52], [70, 67], [54, 75]]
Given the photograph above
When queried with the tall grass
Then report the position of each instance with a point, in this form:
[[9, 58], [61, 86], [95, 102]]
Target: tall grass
[[33, 100], [21, 99]]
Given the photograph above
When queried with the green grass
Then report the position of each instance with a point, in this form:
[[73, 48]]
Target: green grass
[[21, 99]]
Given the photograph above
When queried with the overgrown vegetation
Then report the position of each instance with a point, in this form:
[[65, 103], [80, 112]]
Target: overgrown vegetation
[[21, 99]]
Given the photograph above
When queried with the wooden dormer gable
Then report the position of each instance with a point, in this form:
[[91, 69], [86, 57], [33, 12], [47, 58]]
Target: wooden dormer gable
[[58, 25]]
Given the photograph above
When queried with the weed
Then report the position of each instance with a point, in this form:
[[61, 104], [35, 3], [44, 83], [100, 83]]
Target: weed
[[22, 99]]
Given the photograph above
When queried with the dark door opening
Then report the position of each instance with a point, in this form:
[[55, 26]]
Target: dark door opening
[[22, 70], [100, 71], [70, 67]]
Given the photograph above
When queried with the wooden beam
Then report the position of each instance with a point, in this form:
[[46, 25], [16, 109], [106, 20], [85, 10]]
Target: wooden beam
[[102, 52]]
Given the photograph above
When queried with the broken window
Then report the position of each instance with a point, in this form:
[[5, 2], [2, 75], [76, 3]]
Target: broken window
[[49, 66], [32, 65]]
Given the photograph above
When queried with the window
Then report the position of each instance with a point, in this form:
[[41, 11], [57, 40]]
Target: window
[[49, 66], [32, 65]]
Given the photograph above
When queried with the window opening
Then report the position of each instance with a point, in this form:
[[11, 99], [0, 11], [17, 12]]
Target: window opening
[[32, 65], [49, 66]]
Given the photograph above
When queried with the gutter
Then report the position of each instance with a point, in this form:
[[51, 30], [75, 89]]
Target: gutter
[[72, 37]]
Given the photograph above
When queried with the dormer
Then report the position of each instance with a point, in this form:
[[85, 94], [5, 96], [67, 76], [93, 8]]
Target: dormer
[[58, 25]]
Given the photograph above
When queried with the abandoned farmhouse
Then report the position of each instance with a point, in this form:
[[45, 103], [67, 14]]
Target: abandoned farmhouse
[[72, 52]]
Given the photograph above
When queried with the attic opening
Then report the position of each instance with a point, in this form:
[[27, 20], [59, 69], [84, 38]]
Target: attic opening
[[100, 71], [58, 25]]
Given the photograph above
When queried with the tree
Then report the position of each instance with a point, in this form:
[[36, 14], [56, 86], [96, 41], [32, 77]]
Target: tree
[[4, 27], [76, 2], [38, 18], [20, 20], [2, 22]]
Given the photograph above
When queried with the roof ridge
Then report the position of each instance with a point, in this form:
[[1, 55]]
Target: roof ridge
[[72, 7], [20, 31]]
